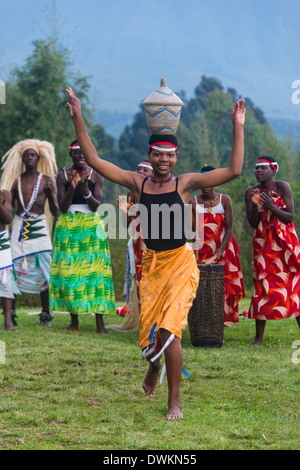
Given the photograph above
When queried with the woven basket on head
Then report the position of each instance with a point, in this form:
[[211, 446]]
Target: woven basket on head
[[206, 316]]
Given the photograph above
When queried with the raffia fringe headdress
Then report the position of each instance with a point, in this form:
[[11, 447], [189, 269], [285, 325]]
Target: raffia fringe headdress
[[13, 167]]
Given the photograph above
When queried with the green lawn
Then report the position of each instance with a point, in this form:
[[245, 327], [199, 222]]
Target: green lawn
[[80, 390]]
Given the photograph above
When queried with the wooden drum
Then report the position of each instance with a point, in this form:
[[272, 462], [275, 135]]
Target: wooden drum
[[206, 316]]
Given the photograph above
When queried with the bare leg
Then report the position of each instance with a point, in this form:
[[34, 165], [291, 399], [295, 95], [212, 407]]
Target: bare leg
[[45, 316], [100, 324], [74, 323], [6, 305], [45, 300], [150, 380], [260, 328], [174, 359], [13, 311]]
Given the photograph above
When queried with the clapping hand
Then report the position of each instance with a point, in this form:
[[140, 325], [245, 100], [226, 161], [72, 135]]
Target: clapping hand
[[84, 183], [266, 199], [49, 188], [255, 196], [123, 203], [74, 179]]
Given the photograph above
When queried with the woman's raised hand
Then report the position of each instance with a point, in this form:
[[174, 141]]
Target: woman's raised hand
[[123, 203], [238, 113], [74, 105]]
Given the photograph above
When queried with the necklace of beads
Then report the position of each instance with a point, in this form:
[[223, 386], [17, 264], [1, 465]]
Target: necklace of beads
[[268, 189], [208, 204], [161, 181], [83, 172]]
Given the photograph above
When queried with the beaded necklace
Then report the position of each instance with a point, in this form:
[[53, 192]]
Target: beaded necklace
[[208, 205], [83, 172], [161, 181], [268, 189], [26, 210]]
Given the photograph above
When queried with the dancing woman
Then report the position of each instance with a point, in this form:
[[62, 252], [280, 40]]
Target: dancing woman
[[169, 274]]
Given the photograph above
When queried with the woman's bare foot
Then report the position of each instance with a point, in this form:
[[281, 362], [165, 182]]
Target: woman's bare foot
[[150, 380], [10, 327], [100, 324], [259, 333], [102, 331], [71, 327], [74, 323], [257, 341], [175, 412]]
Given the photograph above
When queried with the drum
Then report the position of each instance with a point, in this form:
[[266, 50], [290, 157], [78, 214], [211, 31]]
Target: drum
[[206, 316]]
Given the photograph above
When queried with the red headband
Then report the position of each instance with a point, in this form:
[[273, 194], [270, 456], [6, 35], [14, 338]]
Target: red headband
[[269, 163], [162, 143], [74, 146]]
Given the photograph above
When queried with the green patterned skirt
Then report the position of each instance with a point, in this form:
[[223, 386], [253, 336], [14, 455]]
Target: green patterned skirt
[[81, 274]]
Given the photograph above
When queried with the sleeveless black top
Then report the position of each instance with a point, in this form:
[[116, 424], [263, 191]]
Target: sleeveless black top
[[162, 223]]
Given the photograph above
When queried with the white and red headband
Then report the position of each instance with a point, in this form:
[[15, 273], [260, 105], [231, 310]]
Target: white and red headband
[[155, 146], [264, 162], [74, 146], [145, 164]]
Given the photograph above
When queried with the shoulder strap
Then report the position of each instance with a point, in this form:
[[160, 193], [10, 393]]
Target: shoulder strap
[[143, 184], [90, 175], [65, 173], [176, 184]]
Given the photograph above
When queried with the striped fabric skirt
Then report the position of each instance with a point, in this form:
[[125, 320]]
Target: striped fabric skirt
[[81, 273]]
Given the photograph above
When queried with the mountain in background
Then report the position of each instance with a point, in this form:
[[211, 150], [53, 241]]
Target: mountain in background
[[114, 124], [127, 47], [285, 127]]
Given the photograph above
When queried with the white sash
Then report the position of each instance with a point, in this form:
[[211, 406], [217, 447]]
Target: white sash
[[5, 251], [29, 236]]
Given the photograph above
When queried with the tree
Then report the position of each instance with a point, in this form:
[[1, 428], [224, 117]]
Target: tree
[[36, 99]]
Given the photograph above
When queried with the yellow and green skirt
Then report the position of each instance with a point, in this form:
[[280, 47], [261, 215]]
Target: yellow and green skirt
[[81, 273]]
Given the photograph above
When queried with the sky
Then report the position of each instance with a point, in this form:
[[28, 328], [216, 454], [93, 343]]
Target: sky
[[127, 46]]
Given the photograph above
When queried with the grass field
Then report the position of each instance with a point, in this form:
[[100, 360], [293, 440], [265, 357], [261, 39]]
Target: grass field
[[80, 390]]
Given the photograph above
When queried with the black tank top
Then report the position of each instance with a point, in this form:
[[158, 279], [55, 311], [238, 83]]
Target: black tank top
[[162, 219]]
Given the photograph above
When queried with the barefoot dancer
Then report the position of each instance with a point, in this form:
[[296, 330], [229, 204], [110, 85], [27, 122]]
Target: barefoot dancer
[[169, 275], [276, 248], [30, 239], [81, 275], [8, 285]]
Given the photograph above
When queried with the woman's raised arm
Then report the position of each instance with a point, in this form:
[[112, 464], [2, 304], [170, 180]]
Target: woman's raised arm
[[129, 179], [223, 175]]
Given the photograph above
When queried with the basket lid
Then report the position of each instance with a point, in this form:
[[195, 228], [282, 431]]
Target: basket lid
[[163, 96]]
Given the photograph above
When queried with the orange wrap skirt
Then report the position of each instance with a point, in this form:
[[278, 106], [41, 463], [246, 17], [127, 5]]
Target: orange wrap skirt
[[167, 289]]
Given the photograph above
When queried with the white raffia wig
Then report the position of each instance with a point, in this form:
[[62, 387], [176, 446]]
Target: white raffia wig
[[13, 167]]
